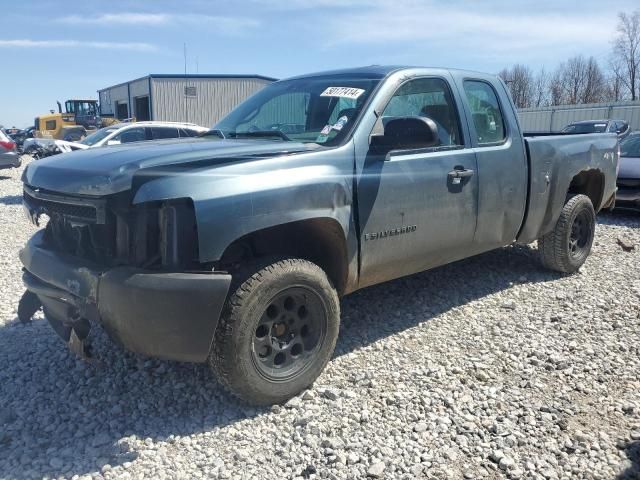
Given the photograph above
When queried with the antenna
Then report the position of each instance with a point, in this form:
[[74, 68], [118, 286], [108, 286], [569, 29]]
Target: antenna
[[186, 108]]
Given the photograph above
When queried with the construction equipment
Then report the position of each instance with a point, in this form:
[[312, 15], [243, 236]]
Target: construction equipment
[[80, 115]]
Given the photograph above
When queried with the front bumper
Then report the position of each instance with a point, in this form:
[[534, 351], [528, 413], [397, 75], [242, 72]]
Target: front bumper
[[167, 315]]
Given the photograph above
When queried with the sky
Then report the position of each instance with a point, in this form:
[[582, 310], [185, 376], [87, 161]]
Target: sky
[[55, 50]]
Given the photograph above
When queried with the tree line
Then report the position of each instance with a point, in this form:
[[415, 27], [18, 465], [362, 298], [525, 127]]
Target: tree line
[[583, 79]]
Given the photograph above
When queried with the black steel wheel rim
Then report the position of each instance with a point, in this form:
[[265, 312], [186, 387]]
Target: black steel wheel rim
[[289, 334], [581, 232]]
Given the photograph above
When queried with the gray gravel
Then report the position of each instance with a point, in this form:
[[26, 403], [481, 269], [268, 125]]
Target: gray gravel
[[488, 368]]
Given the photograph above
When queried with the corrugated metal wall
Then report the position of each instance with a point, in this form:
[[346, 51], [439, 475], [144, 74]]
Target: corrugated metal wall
[[110, 96], [553, 119], [215, 97]]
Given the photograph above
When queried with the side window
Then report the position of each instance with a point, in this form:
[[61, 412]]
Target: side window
[[431, 98], [486, 113], [131, 135], [158, 133]]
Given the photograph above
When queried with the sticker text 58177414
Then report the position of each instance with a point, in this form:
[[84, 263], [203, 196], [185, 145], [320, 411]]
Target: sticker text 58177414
[[344, 92]]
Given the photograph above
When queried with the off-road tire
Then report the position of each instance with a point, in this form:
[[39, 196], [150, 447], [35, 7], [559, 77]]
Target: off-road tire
[[233, 356], [555, 247]]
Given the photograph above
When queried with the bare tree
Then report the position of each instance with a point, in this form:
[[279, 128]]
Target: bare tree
[[595, 84], [556, 88], [520, 82], [626, 48], [578, 80], [614, 80], [540, 89]]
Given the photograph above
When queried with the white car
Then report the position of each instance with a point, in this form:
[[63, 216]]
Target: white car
[[121, 133]]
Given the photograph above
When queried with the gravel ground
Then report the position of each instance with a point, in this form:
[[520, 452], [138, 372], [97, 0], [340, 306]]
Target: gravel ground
[[488, 368]]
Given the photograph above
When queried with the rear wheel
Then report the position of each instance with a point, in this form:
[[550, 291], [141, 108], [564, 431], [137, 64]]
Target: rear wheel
[[277, 332], [568, 245]]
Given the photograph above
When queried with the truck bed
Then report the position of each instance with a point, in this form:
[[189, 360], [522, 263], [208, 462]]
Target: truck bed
[[560, 163]]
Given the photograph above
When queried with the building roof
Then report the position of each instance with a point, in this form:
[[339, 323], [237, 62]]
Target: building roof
[[193, 76]]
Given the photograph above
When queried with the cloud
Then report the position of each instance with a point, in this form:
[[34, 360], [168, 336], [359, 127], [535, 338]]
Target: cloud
[[225, 24], [118, 19], [470, 27], [27, 43]]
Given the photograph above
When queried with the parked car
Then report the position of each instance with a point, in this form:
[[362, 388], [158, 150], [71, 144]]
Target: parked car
[[116, 135], [21, 135], [619, 127], [9, 157], [628, 195], [234, 248]]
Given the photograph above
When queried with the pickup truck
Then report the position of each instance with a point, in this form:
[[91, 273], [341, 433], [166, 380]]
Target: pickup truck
[[234, 248]]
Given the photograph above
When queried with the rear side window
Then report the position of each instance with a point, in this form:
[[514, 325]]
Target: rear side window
[[158, 133], [486, 113], [132, 135]]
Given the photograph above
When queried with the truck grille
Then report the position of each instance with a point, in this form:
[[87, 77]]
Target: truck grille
[[90, 211], [79, 212]]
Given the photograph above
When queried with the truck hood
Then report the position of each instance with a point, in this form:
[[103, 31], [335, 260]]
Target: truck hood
[[104, 171], [629, 167]]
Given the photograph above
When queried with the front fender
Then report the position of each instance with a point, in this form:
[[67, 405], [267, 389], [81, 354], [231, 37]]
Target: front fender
[[234, 200]]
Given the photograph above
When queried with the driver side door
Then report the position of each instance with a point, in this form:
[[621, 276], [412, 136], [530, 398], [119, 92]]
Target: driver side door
[[413, 214]]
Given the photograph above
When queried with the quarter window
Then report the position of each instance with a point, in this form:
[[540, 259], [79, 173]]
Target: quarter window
[[132, 135], [430, 98], [485, 111]]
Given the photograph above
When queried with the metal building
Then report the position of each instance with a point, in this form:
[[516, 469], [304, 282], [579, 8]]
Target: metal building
[[200, 99], [554, 119]]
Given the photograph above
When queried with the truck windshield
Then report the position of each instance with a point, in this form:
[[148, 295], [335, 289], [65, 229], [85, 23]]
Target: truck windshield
[[310, 110], [97, 136]]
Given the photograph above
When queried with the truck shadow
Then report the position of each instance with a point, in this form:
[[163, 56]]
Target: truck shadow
[[632, 449], [59, 404], [11, 200], [62, 417]]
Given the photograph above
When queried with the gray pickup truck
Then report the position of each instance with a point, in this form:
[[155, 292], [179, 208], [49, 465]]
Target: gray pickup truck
[[234, 248]]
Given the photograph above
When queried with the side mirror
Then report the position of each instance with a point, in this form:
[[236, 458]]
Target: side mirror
[[113, 142], [407, 133]]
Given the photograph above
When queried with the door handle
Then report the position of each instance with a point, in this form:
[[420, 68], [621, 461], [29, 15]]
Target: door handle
[[458, 174]]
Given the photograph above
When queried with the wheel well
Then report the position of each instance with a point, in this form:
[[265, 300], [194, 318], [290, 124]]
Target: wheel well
[[319, 240], [589, 183]]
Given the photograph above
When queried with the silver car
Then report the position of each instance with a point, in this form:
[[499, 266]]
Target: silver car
[[9, 157]]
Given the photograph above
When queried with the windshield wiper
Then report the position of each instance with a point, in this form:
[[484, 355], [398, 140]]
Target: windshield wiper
[[264, 134]]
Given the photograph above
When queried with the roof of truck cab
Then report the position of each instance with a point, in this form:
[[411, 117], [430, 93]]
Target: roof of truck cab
[[379, 71]]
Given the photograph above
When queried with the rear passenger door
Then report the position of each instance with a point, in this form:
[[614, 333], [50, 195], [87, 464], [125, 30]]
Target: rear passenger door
[[413, 214], [502, 163]]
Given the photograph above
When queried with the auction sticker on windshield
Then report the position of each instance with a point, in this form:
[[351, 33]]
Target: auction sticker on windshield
[[343, 92]]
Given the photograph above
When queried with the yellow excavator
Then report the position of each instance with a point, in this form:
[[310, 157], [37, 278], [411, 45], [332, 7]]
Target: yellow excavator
[[79, 117]]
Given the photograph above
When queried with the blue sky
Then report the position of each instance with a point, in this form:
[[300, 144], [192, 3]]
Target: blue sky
[[53, 50]]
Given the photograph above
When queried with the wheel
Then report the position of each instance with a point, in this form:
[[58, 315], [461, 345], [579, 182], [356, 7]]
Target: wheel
[[277, 331], [568, 245]]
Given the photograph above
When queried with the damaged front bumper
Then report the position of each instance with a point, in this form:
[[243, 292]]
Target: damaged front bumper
[[169, 315]]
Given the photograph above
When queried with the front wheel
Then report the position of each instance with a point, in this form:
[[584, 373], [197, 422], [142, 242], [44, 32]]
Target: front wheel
[[568, 245], [277, 332]]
